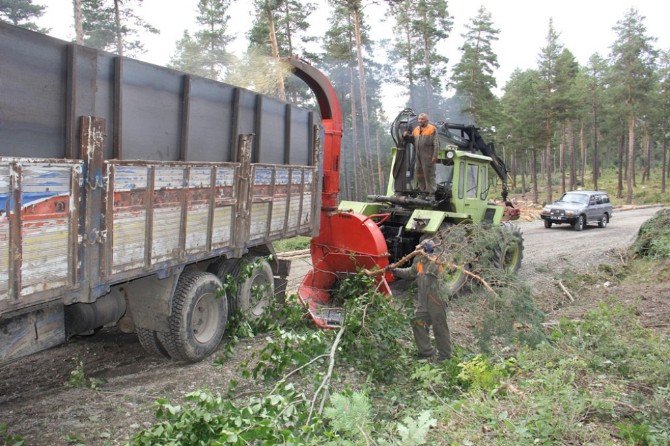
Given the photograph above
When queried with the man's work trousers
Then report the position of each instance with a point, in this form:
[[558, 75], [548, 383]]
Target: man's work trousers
[[430, 310], [424, 172]]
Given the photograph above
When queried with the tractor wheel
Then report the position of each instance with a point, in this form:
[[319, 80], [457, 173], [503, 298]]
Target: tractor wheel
[[150, 342], [454, 279], [199, 317], [509, 250]]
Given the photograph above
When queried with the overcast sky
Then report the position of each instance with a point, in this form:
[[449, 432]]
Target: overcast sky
[[585, 27]]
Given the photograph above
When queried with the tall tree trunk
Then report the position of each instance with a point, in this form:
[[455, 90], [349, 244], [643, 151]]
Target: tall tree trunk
[[354, 132], [533, 174], [363, 92], [523, 176], [380, 173], [410, 67], [571, 151], [117, 28], [548, 164], [582, 152], [274, 46], [647, 154], [665, 163], [622, 148], [426, 62], [594, 142], [78, 22], [561, 156], [513, 169], [631, 159]]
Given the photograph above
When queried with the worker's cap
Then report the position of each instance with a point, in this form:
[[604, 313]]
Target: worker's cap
[[428, 246]]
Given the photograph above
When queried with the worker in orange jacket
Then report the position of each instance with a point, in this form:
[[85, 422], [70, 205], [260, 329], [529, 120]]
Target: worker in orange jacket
[[426, 144], [430, 307]]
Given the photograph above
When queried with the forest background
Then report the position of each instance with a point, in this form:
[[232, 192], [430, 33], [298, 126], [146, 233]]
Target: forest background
[[560, 124]]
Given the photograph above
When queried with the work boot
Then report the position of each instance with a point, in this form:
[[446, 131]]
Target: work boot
[[422, 338]]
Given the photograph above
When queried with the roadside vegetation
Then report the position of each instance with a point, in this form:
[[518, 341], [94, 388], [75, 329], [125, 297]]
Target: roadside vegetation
[[600, 378]]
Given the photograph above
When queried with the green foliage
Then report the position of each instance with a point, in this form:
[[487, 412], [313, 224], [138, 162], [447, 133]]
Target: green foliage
[[287, 350], [480, 374], [349, 415], [375, 328], [21, 13], [78, 378], [573, 389], [653, 239], [7, 439], [278, 418], [505, 310]]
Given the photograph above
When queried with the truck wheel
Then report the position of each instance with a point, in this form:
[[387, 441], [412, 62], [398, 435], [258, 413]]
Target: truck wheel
[[547, 224], [580, 223], [227, 269], [255, 291], [198, 318], [150, 342], [509, 251]]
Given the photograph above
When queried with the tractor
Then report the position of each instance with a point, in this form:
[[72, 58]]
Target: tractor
[[355, 235]]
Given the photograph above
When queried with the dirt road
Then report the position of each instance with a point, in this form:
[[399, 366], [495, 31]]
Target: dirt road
[[37, 402]]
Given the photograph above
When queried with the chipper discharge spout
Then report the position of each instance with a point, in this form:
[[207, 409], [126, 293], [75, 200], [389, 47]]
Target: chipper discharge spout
[[347, 242]]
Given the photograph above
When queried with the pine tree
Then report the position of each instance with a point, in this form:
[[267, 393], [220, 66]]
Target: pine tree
[[633, 59], [205, 53], [548, 69], [22, 13], [474, 74], [523, 126], [113, 25], [663, 113], [596, 71], [426, 24]]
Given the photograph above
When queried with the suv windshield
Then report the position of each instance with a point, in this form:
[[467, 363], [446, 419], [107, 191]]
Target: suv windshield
[[572, 197]]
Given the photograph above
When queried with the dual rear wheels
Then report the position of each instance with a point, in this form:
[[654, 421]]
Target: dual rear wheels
[[201, 308]]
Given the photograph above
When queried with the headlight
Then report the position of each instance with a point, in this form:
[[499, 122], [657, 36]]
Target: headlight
[[450, 154]]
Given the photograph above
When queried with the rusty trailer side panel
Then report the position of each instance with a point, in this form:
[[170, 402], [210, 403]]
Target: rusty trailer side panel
[[156, 215]]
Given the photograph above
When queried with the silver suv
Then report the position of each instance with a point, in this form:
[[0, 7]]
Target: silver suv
[[578, 208]]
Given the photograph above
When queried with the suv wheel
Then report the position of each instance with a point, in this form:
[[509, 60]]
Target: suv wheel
[[603, 221], [580, 223], [547, 224]]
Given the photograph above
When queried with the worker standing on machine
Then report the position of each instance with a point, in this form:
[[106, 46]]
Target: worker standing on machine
[[427, 144], [430, 308]]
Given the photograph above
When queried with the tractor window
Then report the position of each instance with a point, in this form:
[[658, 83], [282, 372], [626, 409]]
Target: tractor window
[[444, 175], [484, 172], [472, 181], [461, 178]]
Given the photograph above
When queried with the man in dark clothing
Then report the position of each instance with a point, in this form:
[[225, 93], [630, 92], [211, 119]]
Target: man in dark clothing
[[430, 306], [427, 144]]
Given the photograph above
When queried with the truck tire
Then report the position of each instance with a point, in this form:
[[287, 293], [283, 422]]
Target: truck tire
[[547, 224], [580, 223], [255, 290], [509, 251], [603, 221], [198, 318], [150, 342]]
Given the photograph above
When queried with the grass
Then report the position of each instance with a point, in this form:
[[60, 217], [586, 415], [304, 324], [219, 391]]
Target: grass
[[292, 244]]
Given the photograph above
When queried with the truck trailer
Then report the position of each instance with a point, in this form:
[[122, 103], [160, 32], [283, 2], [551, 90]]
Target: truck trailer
[[130, 191]]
